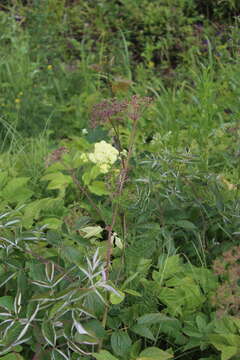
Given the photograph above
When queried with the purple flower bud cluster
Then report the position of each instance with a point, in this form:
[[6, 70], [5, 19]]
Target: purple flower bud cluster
[[56, 155], [108, 110]]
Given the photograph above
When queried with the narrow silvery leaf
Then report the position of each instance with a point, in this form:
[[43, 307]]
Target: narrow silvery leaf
[[12, 222], [95, 258], [49, 271], [17, 303], [7, 279], [80, 328], [42, 284], [77, 349], [110, 288]]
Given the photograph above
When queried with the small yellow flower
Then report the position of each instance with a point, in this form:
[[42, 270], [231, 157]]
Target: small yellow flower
[[17, 100], [49, 67], [151, 64]]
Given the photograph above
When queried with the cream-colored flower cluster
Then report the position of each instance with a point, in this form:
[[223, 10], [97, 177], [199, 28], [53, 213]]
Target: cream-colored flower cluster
[[104, 156]]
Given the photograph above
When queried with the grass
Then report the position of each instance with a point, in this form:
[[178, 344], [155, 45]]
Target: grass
[[182, 194]]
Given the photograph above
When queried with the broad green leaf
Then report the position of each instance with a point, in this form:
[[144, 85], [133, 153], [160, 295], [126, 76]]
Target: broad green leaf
[[152, 318], [5, 277], [57, 180], [91, 174], [121, 343], [16, 190], [185, 224], [52, 223], [86, 339], [153, 353], [168, 266], [132, 292], [135, 349], [117, 299], [54, 238], [12, 334], [58, 354], [49, 332], [227, 352], [35, 209], [91, 231], [143, 331], [7, 302], [98, 188], [95, 328], [104, 355], [12, 356], [56, 308], [71, 254]]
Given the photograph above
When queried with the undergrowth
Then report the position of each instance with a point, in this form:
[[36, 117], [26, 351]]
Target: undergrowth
[[119, 180]]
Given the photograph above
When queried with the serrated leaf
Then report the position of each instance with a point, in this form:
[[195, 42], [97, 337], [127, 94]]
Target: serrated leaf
[[104, 355], [71, 254], [52, 223], [143, 331], [98, 188], [121, 343], [16, 190], [152, 318], [91, 231], [153, 353], [57, 180]]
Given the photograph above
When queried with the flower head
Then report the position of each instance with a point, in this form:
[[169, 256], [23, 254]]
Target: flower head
[[104, 156]]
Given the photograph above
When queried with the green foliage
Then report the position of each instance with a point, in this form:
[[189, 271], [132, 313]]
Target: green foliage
[[119, 233]]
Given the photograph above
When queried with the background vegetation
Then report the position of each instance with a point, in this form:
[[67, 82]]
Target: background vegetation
[[119, 180]]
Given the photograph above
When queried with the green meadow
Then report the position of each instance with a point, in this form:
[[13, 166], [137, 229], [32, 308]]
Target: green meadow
[[119, 180]]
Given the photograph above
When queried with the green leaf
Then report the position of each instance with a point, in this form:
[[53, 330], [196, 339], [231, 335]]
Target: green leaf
[[56, 308], [12, 356], [90, 175], [132, 292], [104, 355], [185, 224], [49, 333], [7, 303], [117, 299], [58, 354], [12, 334], [153, 353], [152, 318], [168, 266], [71, 254], [4, 278], [143, 331], [135, 349], [95, 327], [91, 231], [98, 188], [121, 343], [57, 180], [52, 223], [16, 191]]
